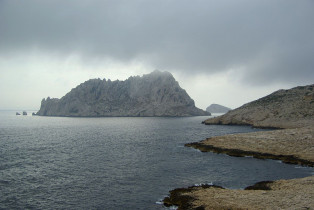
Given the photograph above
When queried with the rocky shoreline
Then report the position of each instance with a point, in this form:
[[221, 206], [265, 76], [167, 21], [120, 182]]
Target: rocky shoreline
[[280, 194], [294, 146], [290, 159], [178, 197], [291, 112]]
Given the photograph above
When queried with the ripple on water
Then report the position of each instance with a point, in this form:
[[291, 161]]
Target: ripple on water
[[116, 163]]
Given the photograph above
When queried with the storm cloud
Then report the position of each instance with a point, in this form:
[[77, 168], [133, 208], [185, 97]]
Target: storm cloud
[[220, 51], [262, 41]]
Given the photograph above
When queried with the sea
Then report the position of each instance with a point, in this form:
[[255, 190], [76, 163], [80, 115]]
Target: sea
[[117, 162]]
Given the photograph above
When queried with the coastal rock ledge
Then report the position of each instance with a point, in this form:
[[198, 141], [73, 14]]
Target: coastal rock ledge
[[294, 146], [281, 194], [154, 94]]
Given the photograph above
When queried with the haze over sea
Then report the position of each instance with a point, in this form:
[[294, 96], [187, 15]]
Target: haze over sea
[[116, 163]]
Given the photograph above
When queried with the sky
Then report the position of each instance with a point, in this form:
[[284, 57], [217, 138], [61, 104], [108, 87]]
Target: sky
[[220, 51]]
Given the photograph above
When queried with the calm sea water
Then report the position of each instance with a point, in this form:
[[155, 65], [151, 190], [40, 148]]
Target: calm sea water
[[116, 163]]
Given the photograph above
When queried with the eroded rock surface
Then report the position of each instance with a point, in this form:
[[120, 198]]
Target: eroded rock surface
[[281, 194], [289, 145], [282, 109]]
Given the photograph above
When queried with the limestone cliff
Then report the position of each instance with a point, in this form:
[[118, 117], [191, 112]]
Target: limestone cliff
[[154, 94], [282, 109]]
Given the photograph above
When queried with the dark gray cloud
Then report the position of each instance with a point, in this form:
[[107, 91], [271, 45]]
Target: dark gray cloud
[[268, 41]]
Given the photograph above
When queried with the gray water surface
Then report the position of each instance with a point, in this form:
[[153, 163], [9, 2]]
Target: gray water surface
[[116, 163]]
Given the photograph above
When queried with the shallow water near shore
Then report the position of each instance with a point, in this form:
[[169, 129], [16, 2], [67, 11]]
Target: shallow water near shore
[[116, 163]]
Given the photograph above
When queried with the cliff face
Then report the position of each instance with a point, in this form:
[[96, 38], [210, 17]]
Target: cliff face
[[282, 109], [216, 108], [154, 94]]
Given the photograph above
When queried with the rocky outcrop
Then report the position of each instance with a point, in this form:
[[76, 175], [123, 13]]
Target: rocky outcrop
[[178, 197], [282, 109], [216, 108], [281, 194], [154, 94]]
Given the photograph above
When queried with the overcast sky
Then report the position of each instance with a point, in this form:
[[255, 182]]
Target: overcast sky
[[220, 51]]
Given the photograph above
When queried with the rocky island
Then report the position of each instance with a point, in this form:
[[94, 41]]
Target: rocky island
[[290, 110], [216, 108], [154, 94]]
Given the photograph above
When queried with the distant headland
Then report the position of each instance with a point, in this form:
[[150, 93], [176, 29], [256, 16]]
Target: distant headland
[[217, 108], [290, 108]]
